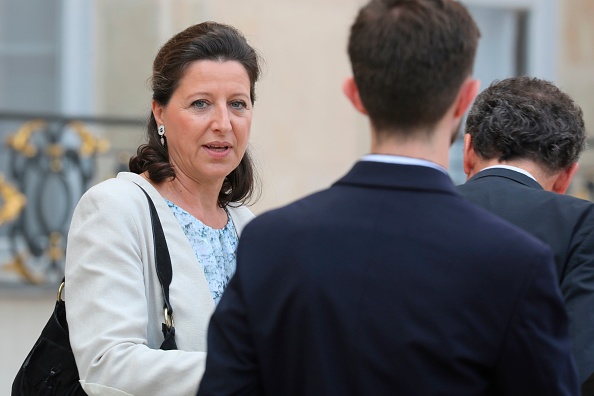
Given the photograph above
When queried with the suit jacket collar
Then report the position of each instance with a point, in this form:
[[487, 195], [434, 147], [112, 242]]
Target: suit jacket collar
[[507, 174], [396, 176]]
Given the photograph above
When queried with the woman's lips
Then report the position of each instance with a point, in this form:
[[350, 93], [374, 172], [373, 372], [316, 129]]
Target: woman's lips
[[217, 150]]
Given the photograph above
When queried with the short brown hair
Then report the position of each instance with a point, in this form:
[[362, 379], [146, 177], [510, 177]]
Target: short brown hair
[[409, 59]]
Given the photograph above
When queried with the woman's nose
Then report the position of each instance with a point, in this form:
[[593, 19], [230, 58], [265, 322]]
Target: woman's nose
[[221, 121]]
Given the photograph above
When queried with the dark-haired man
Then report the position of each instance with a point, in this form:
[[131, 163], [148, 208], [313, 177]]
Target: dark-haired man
[[389, 282], [522, 143]]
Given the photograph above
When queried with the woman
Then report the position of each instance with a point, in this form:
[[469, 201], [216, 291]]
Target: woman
[[197, 172]]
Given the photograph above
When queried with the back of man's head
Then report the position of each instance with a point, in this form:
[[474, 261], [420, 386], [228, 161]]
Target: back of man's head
[[409, 60], [523, 118]]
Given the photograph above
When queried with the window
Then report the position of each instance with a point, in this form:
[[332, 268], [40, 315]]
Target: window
[[517, 37], [45, 69]]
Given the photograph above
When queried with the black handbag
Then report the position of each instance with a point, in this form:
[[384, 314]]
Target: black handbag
[[50, 369]]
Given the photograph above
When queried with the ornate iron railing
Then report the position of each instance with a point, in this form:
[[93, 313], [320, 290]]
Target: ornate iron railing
[[49, 163]]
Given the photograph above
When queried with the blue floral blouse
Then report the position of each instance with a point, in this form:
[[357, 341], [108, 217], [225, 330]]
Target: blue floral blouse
[[215, 249]]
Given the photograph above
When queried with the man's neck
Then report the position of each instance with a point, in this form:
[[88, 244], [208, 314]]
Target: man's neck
[[429, 148], [431, 143]]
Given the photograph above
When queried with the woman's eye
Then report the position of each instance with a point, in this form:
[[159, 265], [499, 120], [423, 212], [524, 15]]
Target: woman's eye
[[238, 104], [200, 103]]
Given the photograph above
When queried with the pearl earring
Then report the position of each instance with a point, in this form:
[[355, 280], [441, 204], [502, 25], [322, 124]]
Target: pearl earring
[[161, 131]]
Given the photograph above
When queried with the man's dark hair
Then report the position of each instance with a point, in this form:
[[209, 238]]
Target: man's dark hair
[[527, 118], [204, 41], [409, 59]]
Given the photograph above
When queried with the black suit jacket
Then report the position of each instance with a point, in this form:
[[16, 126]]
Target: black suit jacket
[[566, 224], [389, 283]]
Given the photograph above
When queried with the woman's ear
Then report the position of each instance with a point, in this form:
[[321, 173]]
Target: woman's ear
[[349, 87], [157, 112]]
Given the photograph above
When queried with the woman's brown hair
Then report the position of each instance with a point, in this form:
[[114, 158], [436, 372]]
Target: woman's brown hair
[[204, 41]]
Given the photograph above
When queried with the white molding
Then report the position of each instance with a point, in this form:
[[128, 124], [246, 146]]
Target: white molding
[[164, 23], [542, 32], [543, 36], [77, 57]]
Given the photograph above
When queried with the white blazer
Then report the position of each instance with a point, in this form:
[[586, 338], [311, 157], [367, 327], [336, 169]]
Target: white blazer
[[114, 300]]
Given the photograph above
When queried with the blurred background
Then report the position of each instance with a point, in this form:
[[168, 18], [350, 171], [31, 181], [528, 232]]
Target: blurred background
[[74, 98]]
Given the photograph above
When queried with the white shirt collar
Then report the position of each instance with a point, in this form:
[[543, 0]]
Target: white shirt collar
[[513, 168], [401, 160]]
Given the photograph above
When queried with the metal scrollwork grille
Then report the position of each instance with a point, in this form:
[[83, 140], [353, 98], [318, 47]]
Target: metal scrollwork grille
[[50, 163]]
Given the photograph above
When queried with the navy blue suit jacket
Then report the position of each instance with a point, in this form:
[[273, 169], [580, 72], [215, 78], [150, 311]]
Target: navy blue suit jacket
[[566, 224], [389, 283]]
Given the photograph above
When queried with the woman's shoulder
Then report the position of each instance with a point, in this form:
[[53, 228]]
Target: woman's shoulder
[[113, 204], [120, 188]]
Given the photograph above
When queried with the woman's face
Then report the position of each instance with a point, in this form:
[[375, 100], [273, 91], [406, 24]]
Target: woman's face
[[207, 120]]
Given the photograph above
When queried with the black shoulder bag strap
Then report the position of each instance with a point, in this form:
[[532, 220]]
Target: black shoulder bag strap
[[164, 273]]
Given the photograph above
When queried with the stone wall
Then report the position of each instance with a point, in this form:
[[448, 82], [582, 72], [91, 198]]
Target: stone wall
[[576, 75]]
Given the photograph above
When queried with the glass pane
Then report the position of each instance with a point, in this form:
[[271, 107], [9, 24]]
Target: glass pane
[[29, 55], [502, 37]]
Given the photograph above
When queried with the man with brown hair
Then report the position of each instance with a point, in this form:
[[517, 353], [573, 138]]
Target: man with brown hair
[[389, 282]]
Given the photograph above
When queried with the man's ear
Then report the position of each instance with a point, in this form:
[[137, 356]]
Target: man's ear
[[349, 87], [564, 178], [157, 112], [469, 160], [468, 92]]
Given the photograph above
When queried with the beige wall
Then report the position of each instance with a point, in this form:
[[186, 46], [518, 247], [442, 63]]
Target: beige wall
[[25, 314], [576, 73], [304, 133]]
